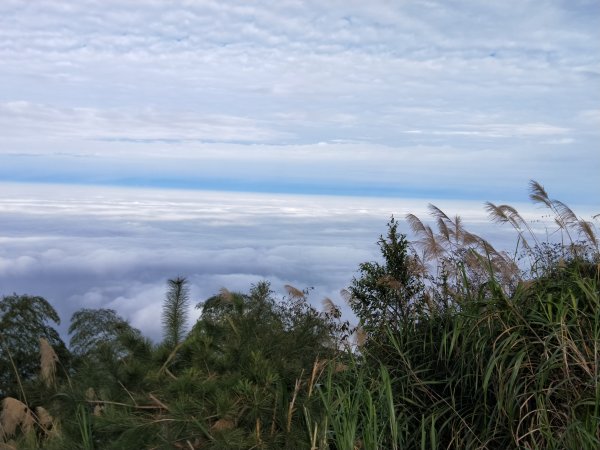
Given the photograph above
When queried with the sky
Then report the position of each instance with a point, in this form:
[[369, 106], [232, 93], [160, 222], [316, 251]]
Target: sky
[[229, 141]]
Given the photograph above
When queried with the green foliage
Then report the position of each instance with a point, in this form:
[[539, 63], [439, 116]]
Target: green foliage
[[175, 313], [93, 329], [387, 294], [240, 379], [246, 353], [506, 372], [24, 319]]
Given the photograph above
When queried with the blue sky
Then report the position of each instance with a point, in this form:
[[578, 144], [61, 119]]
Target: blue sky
[[382, 105]]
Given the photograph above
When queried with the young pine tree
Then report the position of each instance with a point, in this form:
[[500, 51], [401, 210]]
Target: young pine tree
[[175, 311]]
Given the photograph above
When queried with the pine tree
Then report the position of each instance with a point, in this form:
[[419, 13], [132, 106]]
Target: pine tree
[[175, 311]]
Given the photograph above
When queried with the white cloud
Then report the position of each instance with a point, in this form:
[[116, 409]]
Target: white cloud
[[591, 116], [153, 79], [497, 130], [20, 119], [101, 247]]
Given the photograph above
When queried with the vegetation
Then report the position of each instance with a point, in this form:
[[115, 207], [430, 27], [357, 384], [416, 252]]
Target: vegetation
[[458, 346]]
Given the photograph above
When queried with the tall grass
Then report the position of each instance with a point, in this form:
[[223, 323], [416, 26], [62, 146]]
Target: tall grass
[[507, 356], [519, 372]]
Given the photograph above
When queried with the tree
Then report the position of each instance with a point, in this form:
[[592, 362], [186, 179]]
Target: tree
[[175, 311], [290, 333], [91, 329], [249, 354], [24, 319], [109, 353], [388, 293]]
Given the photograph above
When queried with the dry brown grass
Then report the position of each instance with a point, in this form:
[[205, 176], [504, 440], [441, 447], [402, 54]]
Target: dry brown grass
[[223, 424], [15, 414], [328, 305], [44, 417], [586, 229], [317, 369], [46, 422], [48, 360], [225, 295], [90, 394], [98, 410], [453, 248], [291, 407], [8, 445], [294, 292], [360, 336], [428, 241]]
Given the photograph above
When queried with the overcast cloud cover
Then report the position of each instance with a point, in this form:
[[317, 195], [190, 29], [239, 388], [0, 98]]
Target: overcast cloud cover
[[426, 100]]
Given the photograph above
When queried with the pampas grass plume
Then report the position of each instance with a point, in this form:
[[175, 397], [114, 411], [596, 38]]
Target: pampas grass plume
[[48, 363], [14, 413], [294, 292]]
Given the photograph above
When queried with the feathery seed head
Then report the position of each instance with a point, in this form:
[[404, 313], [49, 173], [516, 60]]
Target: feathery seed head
[[14, 413], [48, 363], [294, 292]]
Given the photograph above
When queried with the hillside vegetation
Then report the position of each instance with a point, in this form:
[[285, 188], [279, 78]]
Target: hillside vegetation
[[458, 346]]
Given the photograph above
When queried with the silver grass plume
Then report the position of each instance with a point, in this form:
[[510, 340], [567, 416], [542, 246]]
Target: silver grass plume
[[48, 360], [294, 292]]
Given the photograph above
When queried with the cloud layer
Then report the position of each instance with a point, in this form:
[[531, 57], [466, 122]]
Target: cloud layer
[[96, 247], [104, 247], [424, 98]]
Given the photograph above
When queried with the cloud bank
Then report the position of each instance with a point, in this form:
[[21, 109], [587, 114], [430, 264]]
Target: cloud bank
[[97, 247], [424, 98]]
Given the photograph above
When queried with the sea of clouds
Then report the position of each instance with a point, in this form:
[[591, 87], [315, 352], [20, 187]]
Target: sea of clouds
[[101, 247]]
